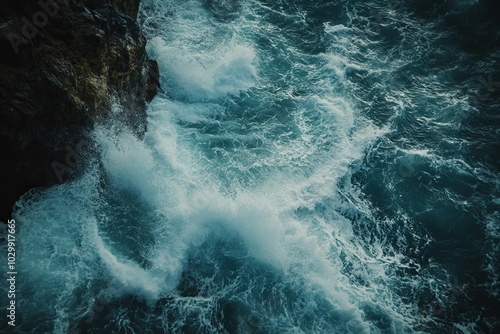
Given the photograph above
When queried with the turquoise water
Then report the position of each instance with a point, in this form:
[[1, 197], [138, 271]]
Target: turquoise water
[[313, 167]]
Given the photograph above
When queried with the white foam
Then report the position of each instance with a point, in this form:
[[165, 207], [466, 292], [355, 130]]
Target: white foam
[[132, 278], [230, 69]]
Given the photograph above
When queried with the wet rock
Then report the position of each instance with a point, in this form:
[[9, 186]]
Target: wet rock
[[62, 64]]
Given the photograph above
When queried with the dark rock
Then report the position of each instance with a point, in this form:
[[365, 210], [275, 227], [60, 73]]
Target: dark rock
[[59, 78], [130, 7], [154, 81], [12, 41], [94, 4]]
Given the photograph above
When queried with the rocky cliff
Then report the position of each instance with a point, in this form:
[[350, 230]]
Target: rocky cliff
[[62, 65]]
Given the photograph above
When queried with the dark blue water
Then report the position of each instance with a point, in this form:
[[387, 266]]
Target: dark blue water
[[313, 167]]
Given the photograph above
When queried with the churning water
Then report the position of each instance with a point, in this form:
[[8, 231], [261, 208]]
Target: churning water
[[313, 167]]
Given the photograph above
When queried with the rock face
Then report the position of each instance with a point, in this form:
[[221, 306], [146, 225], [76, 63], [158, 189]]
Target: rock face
[[63, 63]]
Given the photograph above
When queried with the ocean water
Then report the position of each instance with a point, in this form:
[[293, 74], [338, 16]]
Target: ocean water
[[312, 167]]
